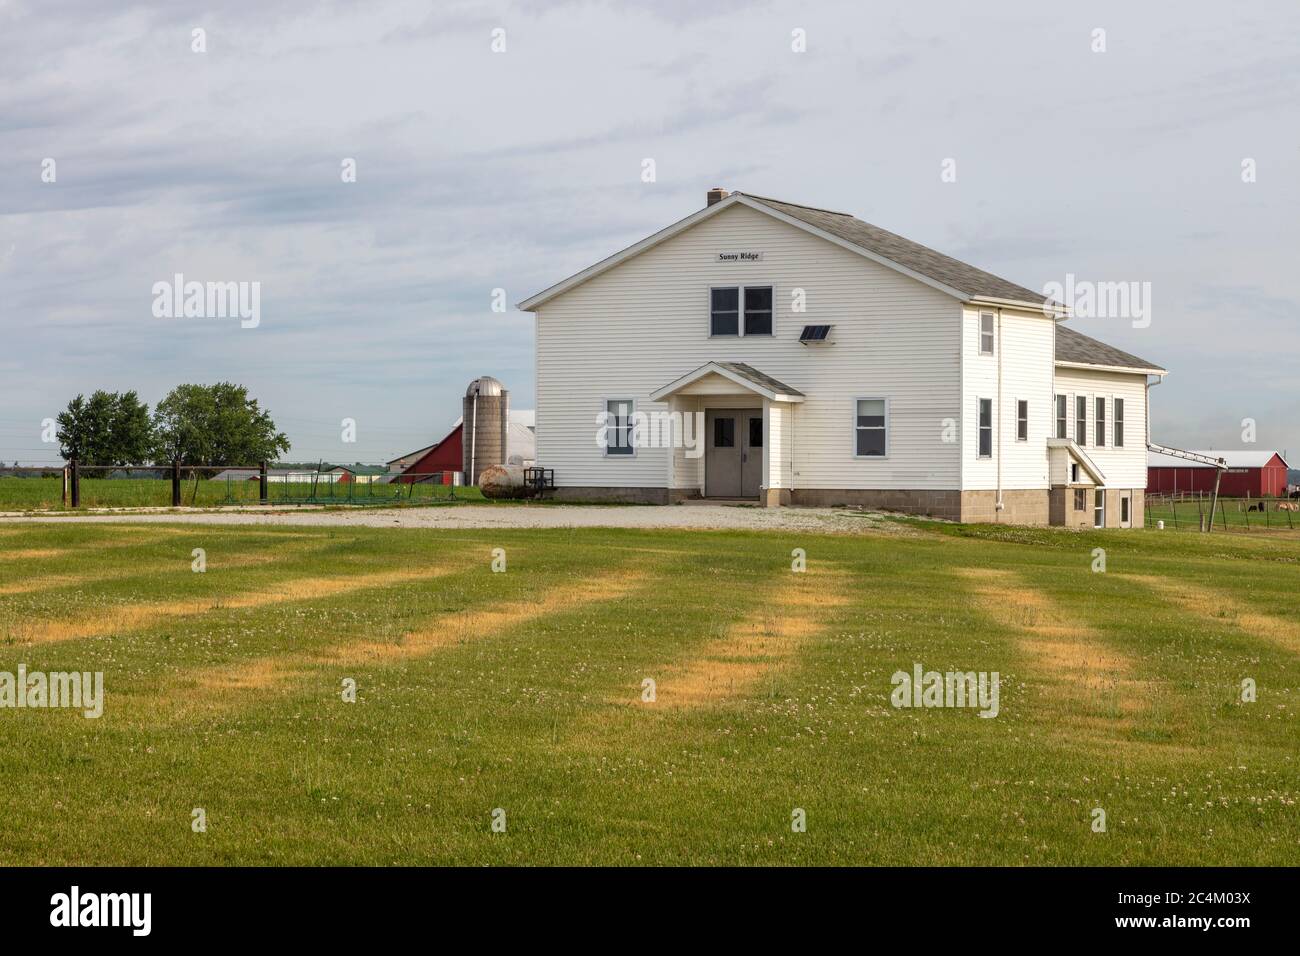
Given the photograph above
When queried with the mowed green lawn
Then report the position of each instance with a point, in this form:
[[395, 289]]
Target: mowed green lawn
[[522, 692]]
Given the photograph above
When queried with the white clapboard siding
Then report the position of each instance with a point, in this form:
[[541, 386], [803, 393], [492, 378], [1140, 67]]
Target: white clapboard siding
[[644, 323], [1026, 343], [1123, 467]]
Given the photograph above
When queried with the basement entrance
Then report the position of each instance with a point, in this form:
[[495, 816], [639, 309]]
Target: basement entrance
[[733, 452]]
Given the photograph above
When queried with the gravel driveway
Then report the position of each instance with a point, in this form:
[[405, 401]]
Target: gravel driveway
[[825, 520]]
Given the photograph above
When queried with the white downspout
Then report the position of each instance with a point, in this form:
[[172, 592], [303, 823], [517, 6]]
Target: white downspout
[[1147, 413], [998, 505]]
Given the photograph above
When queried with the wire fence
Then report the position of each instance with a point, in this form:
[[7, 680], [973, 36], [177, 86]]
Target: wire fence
[[74, 486], [1198, 512]]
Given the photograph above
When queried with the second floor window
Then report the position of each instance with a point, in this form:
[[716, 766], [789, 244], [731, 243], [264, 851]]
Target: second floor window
[[1119, 423], [1022, 420], [1099, 427], [1081, 420], [724, 318], [758, 310], [740, 310], [1062, 417], [986, 333]]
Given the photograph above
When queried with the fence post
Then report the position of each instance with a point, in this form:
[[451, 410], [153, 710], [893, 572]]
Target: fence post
[[176, 482], [76, 485], [261, 484], [65, 486]]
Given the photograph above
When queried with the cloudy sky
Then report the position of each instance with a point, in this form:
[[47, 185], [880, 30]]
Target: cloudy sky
[[479, 170]]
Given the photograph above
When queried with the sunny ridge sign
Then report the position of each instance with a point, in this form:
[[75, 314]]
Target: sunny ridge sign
[[740, 257]]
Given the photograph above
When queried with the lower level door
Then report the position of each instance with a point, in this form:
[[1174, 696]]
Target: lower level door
[[722, 451]]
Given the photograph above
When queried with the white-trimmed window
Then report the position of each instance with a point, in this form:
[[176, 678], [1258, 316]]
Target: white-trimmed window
[[986, 333], [986, 428], [1099, 425], [1081, 420], [871, 428], [1099, 508], [1119, 423], [618, 427], [1022, 420], [741, 310], [1062, 416]]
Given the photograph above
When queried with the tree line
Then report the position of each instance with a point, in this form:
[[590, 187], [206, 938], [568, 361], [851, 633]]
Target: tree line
[[197, 424]]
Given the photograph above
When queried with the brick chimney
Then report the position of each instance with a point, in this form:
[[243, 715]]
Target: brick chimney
[[716, 194]]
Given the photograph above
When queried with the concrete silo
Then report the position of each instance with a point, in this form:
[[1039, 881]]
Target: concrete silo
[[486, 415]]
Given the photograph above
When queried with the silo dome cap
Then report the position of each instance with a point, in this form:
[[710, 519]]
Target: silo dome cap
[[484, 385]]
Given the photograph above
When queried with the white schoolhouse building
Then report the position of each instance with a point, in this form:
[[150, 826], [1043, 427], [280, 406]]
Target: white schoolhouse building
[[827, 361]]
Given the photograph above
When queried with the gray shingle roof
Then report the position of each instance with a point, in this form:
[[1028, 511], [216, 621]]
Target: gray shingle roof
[[758, 378], [911, 255], [1072, 346]]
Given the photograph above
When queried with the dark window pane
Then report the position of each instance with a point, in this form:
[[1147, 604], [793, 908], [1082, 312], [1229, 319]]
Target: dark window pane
[[758, 323], [725, 323], [726, 300], [725, 316], [758, 310], [724, 433], [756, 433], [986, 443], [871, 441]]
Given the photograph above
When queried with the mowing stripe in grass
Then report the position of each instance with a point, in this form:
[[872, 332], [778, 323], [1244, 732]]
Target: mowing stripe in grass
[[215, 565], [277, 671], [31, 554], [142, 615], [1066, 654], [733, 665], [1220, 608]]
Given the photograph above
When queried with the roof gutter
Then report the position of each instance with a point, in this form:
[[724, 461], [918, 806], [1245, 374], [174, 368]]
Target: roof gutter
[[1127, 369], [1053, 310]]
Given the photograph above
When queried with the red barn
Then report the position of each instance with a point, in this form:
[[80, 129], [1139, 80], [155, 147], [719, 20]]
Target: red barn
[[443, 456], [1250, 474]]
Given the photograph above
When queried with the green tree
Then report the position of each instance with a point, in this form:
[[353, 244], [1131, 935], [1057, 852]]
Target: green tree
[[109, 428], [215, 425]]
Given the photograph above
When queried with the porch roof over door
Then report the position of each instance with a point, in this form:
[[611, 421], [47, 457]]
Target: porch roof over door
[[747, 377]]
